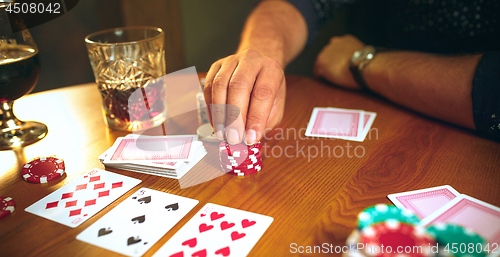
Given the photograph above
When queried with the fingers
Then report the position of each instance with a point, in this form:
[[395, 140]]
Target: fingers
[[238, 97], [219, 96], [207, 88], [264, 93], [240, 91]]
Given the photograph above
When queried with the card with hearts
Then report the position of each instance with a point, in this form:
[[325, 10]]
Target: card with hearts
[[217, 231], [137, 223]]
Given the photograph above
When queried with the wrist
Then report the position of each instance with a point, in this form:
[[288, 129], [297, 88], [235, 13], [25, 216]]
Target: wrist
[[358, 62], [273, 50]]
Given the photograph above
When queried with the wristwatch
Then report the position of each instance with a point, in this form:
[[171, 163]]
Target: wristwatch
[[359, 60]]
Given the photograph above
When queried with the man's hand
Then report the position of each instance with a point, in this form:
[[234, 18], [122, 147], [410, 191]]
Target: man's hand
[[333, 61], [246, 92]]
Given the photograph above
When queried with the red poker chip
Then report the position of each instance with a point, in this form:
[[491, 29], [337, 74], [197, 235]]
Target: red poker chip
[[227, 148], [245, 168], [242, 172], [240, 159], [245, 164], [239, 154], [43, 170], [250, 160], [397, 239], [226, 168], [7, 206]]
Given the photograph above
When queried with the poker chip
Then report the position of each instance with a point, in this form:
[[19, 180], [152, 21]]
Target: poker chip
[[7, 206], [240, 159], [384, 212], [449, 234], [43, 170], [352, 243], [396, 239]]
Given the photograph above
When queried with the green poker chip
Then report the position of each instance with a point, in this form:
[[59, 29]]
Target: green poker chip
[[455, 240], [384, 212]]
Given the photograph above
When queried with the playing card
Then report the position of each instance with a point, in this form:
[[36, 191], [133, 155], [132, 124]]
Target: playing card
[[177, 173], [217, 231], [83, 197], [368, 119], [147, 149], [476, 215], [423, 202], [336, 123], [137, 223]]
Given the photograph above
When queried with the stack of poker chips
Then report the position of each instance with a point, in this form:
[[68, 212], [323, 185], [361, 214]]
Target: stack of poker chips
[[240, 159], [447, 234], [7, 206], [385, 231]]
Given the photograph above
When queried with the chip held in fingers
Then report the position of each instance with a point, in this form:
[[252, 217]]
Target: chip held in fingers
[[240, 159]]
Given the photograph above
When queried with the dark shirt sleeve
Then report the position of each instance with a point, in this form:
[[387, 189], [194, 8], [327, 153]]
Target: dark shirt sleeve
[[486, 95], [316, 13]]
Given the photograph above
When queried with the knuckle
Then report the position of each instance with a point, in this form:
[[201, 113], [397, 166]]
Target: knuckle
[[250, 53], [256, 120], [218, 113], [233, 113], [207, 89], [237, 83], [273, 63], [263, 93], [218, 84]]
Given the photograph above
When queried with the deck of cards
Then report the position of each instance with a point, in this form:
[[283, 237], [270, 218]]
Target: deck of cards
[[166, 156], [340, 123], [444, 204]]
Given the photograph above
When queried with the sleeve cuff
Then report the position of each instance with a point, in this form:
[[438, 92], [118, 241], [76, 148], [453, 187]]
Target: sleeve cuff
[[486, 95]]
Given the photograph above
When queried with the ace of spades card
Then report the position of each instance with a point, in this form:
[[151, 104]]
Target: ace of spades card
[[137, 223], [217, 231]]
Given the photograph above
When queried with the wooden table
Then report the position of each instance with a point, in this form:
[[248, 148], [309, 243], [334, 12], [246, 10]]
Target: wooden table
[[313, 200]]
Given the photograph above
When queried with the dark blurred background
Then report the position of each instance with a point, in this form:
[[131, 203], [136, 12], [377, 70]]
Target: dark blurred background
[[197, 34]]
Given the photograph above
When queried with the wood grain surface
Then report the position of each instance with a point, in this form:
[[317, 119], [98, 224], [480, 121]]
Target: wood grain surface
[[312, 187]]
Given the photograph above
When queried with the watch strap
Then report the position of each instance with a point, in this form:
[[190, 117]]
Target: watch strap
[[358, 77]]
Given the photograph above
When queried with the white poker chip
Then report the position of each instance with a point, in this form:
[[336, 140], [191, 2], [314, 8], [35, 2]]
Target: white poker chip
[[205, 133]]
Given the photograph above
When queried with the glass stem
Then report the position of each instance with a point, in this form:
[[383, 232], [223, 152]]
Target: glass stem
[[8, 117]]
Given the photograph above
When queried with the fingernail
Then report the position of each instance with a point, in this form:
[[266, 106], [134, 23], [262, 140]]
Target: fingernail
[[251, 137], [219, 132], [232, 136]]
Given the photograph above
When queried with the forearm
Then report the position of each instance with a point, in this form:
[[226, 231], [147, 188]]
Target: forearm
[[437, 86], [275, 29]]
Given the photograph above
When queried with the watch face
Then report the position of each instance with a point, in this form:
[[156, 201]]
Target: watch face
[[359, 55], [362, 55]]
